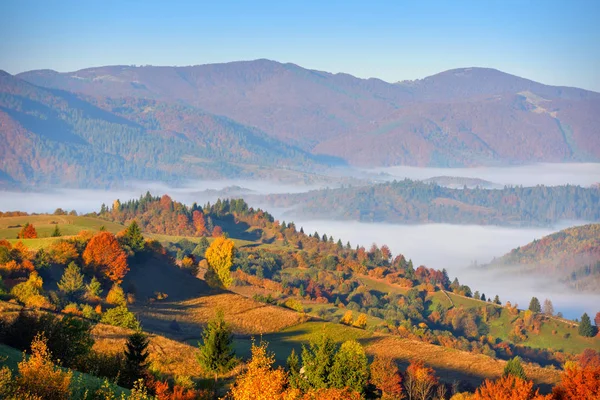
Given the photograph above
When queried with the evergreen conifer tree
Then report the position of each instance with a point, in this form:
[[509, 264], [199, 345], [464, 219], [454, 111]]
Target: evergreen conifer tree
[[72, 280], [136, 355], [585, 326]]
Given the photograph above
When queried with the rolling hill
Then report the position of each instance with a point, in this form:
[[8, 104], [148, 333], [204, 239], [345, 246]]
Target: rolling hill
[[467, 116], [571, 255]]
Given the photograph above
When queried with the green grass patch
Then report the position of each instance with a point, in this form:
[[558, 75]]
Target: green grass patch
[[45, 224]]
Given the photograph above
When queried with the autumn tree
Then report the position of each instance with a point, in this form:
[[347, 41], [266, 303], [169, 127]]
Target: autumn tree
[[136, 356], [27, 232], [347, 318], [386, 377], [514, 368], [104, 254], [199, 223], [219, 256], [361, 321], [508, 387], [597, 320], [548, 308], [30, 292], [260, 380], [585, 326], [71, 282], [63, 252], [534, 305], [350, 367], [38, 376], [216, 355], [419, 381]]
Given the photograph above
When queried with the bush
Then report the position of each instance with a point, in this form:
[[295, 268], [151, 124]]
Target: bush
[[116, 296], [120, 316]]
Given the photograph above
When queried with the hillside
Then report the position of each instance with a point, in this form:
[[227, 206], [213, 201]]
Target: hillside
[[53, 137], [571, 255], [418, 202], [462, 117]]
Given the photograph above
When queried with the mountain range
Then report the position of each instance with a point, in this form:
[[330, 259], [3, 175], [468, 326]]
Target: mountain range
[[96, 125]]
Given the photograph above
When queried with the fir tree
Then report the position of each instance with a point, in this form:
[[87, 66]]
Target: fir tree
[[56, 232], [534, 305], [513, 367], [293, 369], [134, 238], [136, 355], [94, 288], [497, 300], [72, 280], [216, 354], [585, 326], [317, 360]]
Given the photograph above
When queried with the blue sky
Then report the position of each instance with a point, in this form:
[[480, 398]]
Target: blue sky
[[554, 42]]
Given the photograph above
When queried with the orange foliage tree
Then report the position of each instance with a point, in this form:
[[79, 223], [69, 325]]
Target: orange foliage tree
[[508, 387], [419, 380], [579, 381], [27, 232], [199, 223], [103, 253], [63, 252], [386, 377], [260, 380], [38, 376]]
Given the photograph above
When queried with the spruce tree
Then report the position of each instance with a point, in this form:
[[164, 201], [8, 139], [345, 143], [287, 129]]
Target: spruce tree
[[216, 354], [56, 232], [513, 367], [293, 369], [317, 360], [350, 367], [497, 300], [134, 238], [136, 355], [585, 326], [72, 280], [534, 305]]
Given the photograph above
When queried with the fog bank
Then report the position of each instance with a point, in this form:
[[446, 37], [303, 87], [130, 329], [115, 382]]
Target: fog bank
[[549, 174]]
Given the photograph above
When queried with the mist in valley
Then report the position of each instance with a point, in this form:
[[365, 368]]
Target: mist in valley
[[454, 247]]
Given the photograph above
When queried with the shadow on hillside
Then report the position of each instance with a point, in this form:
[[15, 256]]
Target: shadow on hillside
[[237, 230]]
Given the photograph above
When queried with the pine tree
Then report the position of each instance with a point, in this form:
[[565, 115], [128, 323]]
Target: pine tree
[[94, 288], [317, 360], [136, 355], [483, 297], [585, 326], [56, 232], [72, 280], [497, 300], [534, 305], [513, 367], [293, 369], [216, 354]]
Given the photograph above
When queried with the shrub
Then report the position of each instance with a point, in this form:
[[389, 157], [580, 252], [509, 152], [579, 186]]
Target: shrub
[[116, 296], [120, 316]]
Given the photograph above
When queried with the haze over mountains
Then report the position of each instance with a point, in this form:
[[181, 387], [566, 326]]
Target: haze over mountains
[[112, 123]]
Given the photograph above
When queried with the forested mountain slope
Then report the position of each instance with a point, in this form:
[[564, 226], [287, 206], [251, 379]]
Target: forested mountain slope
[[467, 116], [416, 202], [572, 255]]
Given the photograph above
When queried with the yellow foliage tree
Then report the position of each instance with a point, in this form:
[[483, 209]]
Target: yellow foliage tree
[[347, 318], [261, 381], [361, 321], [38, 376], [220, 257]]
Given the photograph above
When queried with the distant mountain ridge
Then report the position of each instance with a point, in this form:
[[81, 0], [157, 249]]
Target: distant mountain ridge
[[461, 117]]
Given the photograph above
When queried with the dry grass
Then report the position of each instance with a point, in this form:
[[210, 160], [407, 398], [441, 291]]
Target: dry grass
[[244, 315], [452, 364]]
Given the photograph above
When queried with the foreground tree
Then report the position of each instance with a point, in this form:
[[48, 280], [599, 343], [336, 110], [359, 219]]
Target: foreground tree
[[508, 388], [216, 355], [317, 361], [260, 380], [103, 254], [585, 326], [136, 356], [220, 257], [38, 376], [385, 376], [350, 367], [419, 381]]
